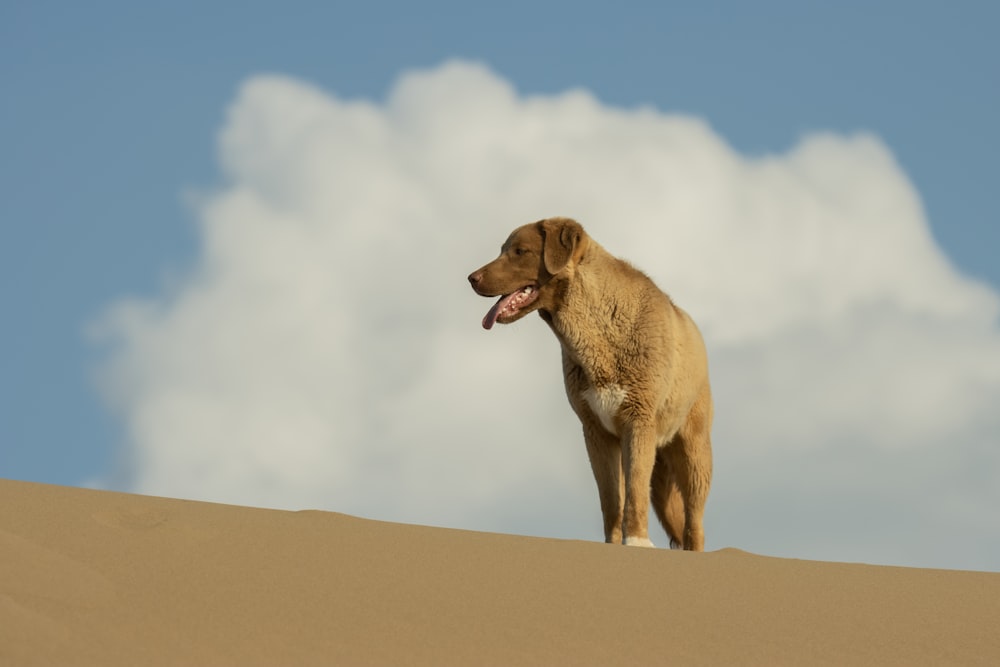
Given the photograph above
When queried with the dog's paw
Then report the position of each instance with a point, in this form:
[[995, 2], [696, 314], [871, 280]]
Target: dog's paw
[[639, 542]]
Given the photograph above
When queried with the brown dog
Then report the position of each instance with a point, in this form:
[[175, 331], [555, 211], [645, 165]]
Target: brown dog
[[635, 369]]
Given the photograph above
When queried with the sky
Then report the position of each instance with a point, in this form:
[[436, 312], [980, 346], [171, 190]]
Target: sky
[[236, 239]]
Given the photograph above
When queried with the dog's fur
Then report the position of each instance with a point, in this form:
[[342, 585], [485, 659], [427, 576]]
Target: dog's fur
[[635, 370]]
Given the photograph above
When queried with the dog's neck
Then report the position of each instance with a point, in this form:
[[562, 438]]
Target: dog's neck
[[584, 302]]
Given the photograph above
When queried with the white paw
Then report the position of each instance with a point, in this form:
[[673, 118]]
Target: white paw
[[639, 542]]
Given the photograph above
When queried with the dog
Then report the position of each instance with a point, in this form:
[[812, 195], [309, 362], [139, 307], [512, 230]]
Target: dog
[[635, 370]]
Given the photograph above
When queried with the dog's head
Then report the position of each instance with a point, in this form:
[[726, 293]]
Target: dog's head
[[533, 261]]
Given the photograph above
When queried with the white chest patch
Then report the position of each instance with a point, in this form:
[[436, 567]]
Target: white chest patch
[[605, 402]]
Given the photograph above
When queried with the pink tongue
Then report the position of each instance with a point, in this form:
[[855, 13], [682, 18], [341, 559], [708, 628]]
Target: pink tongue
[[491, 317]]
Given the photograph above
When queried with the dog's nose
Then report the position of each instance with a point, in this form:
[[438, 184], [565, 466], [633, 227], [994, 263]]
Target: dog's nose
[[475, 277]]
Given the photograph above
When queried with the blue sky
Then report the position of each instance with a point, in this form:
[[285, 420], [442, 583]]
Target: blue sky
[[111, 117]]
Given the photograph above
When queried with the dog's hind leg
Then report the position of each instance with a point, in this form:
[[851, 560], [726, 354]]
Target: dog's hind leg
[[691, 463], [667, 500]]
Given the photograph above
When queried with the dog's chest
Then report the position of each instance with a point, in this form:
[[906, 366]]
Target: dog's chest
[[606, 401]]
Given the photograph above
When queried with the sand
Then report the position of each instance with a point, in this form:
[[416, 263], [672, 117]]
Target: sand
[[100, 578]]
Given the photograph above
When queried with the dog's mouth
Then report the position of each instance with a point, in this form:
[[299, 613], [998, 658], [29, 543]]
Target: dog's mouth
[[510, 305]]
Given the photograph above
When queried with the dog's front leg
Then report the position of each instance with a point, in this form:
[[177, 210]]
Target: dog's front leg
[[638, 457], [605, 455]]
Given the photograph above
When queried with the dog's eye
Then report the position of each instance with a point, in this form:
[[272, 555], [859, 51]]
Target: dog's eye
[[520, 251]]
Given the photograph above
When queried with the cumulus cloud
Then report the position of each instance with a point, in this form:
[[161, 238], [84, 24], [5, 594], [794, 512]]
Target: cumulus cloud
[[325, 350]]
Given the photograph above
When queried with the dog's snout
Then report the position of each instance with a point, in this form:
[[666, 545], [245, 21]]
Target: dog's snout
[[475, 277]]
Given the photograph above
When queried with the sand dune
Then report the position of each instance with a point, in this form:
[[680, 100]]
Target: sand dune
[[100, 578]]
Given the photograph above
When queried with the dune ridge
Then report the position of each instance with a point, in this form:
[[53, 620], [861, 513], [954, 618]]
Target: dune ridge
[[104, 578]]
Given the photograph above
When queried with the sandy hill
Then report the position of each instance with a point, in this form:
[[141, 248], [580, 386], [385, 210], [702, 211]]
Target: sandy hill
[[100, 578]]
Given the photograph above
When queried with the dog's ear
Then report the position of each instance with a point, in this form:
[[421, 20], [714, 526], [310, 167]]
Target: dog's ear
[[561, 238]]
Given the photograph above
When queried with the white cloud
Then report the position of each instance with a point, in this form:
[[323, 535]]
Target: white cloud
[[326, 350]]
